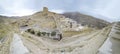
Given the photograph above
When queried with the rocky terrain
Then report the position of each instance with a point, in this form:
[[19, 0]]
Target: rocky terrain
[[86, 20], [46, 32]]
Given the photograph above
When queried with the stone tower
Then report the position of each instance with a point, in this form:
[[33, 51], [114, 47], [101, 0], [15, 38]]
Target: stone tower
[[45, 9]]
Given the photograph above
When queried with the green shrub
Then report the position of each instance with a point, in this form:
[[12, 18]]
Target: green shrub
[[53, 33], [28, 30], [39, 33], [48, 34], [32, 32], [43, 33]]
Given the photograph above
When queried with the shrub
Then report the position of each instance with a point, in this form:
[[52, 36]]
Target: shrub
[[43, 33], [53, 33], [28, 30], [39, 33], [48, 34], [32, 32]]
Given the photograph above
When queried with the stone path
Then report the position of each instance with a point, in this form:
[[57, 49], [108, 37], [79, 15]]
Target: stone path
[[112, 44], [17, 46]]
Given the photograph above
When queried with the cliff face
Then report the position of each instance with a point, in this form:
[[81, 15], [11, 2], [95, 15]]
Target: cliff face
[[86, 20]]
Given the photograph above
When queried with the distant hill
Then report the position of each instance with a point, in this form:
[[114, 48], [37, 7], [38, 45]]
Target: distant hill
[[86, 20], [5, 27], [7, 19]]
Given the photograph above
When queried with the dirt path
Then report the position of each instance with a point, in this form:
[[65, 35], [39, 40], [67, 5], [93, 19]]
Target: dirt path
[[77, 44], [33, 46], [87, 43]]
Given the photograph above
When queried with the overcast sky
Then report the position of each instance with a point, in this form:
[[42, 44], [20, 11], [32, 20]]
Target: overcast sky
[[105, 9]]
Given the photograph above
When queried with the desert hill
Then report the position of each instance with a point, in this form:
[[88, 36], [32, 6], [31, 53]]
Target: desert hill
[[86, 20]]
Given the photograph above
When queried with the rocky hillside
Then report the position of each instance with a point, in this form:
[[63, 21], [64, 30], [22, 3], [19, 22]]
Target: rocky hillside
[[86, 20], [5, 26], [46, 32], [44, 20]]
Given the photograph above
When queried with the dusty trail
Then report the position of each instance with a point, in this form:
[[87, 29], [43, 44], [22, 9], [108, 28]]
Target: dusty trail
[[33, 46], [63, 43], [78, 45]]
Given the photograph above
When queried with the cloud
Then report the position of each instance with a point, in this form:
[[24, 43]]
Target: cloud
[[15, 8], [107, 8], [57, 11], [20, 12]]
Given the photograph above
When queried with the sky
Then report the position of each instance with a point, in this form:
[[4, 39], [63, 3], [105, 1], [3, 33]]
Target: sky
[[104, 9]]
